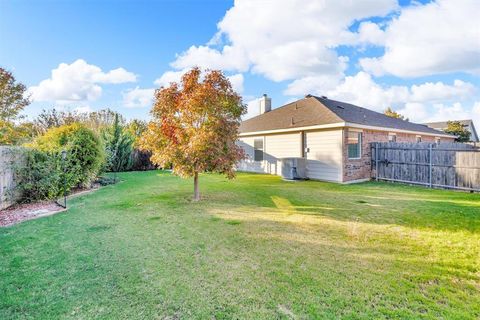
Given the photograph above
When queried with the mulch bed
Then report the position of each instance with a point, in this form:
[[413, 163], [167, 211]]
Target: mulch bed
[[21, 212], [28, 211]]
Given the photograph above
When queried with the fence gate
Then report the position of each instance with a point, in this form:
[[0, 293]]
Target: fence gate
[[444, 165]]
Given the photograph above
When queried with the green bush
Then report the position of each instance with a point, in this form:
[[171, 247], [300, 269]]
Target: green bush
[[40, 176], [85, 152], [105, 180], [44, 174], [118, 147], [141, 160]]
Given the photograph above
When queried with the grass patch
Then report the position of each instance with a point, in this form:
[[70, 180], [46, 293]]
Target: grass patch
[[143, 249], [234, 222]]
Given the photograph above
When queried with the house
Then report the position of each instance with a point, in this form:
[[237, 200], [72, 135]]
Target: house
[[332, 137], [467, 124]]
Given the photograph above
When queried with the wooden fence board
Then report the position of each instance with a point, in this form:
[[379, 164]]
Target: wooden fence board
[[446, 165]]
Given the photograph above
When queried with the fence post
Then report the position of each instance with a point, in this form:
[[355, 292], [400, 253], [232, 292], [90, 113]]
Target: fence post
[[376, 161], [430, 165]]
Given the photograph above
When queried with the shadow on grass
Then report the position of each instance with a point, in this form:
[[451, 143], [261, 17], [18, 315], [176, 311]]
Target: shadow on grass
[[370, 248]]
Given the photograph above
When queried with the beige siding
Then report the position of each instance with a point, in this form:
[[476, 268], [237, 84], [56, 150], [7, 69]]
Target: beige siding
[[275, 147], [281, 146], [249, 164], [324, 159]]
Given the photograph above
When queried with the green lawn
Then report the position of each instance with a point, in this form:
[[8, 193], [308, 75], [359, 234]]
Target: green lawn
[[255, 247]]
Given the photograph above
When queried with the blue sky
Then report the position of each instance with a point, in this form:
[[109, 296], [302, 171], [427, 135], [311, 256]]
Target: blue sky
[[421, 58]]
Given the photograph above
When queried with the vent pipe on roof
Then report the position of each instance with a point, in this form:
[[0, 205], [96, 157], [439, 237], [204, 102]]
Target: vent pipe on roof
[[265, 104]]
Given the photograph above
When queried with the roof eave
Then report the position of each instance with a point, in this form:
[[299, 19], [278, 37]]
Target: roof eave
[[433, 134], [294, 129]]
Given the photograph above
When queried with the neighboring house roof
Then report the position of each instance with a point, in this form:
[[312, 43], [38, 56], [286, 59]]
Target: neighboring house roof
[[314, 111], [442, 125]]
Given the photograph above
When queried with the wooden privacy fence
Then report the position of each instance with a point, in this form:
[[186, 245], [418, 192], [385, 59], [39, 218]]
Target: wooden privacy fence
[[9, 157], [444, 165]]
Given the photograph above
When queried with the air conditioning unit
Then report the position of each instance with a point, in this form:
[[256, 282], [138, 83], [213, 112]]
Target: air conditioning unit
[[293, 168]]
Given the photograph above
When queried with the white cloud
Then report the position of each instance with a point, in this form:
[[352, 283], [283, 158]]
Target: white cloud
[[115, 76], [439, 37], [476, 109], [362, 90], [253, 109], [369, 32], [437, 91], [169, 77], [286, 40], [415, 111], [237, 82], [427, 112], [420, 103], [78, 81], [318, 85], [83, 109], [138, 98], [443, 112], [228, 59]]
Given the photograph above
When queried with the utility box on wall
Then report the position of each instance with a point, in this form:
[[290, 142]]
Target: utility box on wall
[[293, 168]]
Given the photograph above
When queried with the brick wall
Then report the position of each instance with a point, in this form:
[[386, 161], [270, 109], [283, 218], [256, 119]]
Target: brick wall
[[356, 169]]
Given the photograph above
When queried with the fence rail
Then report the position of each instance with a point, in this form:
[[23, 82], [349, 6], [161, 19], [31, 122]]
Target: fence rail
[[445, 165]]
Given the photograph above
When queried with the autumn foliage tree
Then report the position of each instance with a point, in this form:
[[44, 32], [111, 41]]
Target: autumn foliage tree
[[13, 99], [195, 126], [394, 114], [457, 129]]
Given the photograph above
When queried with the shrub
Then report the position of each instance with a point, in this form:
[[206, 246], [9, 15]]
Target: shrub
[[85, 153], [40, 176], [141, 160], [105, 180], [118, 147]]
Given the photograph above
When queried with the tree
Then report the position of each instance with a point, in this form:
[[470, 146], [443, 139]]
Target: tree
[[98, 120], [136, 128], [54, 118], [389, 112], [12, 96], [457, 129], [195, 126], [119, 147], [15, 134], [13, 100]]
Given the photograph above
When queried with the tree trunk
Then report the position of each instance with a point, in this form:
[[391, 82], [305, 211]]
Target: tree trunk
[[196, 191]]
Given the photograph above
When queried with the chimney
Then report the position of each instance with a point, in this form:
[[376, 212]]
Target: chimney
[[265, 104]]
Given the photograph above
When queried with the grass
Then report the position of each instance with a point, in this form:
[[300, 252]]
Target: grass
[[256, 247]]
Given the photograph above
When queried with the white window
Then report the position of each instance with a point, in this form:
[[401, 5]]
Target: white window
[[437, 140], [418, 139], [258, 149], [354, 144], [392, 137]]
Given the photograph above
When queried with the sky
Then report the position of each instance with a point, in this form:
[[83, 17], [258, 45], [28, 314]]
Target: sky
[[422, 58]]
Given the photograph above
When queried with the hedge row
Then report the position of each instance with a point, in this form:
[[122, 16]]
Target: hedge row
[[45, 174]]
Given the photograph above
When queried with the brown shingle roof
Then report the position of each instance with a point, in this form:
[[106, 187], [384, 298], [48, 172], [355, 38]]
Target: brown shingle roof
[[312, 111], [301, 113]]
